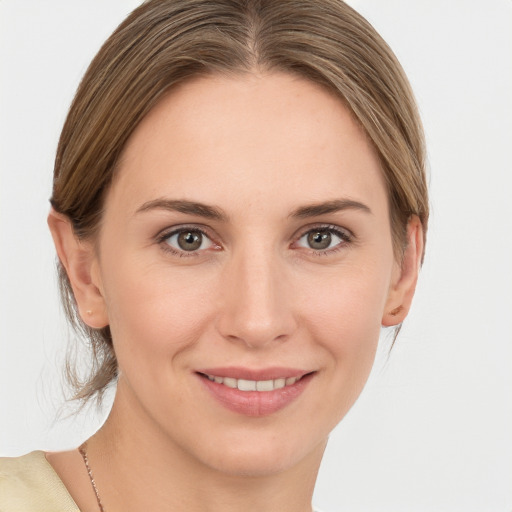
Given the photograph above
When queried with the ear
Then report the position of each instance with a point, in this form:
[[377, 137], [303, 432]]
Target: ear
[[405, 276], [80, 261]]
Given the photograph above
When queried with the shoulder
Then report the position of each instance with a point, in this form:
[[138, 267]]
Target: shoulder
[[29, 483]]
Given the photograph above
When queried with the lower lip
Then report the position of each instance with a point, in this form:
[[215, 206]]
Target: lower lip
[[255, 403]]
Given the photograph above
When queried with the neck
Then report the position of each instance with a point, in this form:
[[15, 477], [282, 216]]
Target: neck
[[158, 474]]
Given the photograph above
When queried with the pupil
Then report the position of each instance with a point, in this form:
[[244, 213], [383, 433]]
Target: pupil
[[319, 240], [190, 240]]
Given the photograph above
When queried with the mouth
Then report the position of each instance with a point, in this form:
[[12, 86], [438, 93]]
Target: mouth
[[255, 392], [254, 385]]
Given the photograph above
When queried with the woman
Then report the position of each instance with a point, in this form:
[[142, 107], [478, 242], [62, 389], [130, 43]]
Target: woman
[[239, 205]]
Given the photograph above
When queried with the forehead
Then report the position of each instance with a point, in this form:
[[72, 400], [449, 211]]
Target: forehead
[[249, 139]]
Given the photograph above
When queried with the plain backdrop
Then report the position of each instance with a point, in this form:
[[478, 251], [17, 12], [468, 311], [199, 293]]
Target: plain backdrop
[[433, 429]]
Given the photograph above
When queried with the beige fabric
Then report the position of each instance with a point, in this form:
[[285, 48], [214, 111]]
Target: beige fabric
[[30, 484]]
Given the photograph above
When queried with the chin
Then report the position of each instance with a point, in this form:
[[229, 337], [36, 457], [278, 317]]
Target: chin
[[260, 452], [255, 464]]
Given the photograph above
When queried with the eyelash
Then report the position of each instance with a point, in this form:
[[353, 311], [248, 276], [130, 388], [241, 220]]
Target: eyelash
[[162, 240], [344, 235]]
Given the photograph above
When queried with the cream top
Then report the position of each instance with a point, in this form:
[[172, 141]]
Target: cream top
[[30, 484]]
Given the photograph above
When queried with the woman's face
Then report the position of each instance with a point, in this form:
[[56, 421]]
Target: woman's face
[[245, 239]]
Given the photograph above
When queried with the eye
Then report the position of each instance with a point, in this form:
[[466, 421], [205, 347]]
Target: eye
[[187, 240], [323, 239]]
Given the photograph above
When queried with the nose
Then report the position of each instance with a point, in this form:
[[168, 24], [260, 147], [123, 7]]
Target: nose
[[256, 306]]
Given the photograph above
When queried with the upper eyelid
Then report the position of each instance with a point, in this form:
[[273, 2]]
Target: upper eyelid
[[328, 227], [169, 231]]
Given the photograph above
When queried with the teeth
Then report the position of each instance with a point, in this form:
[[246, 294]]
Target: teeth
[[253, 385], [264, 385], [246, 385], [229, 382], [279, 383]]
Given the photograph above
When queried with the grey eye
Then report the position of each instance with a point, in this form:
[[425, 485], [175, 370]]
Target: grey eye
[[319, 240], [189, 240], [323, 239]]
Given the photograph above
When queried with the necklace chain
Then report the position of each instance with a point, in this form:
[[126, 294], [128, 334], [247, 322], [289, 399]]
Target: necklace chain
[[83, 453]]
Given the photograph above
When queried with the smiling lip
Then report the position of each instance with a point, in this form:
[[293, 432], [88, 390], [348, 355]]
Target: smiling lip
[[255, 392]]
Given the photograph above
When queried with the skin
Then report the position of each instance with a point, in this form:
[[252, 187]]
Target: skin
[[259, 148]]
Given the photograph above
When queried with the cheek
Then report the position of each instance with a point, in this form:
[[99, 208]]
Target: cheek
[[154, 310], [345, 320], [349, 308], [346, 324]]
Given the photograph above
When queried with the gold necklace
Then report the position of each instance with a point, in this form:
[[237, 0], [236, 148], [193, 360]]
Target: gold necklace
[[83, 453]]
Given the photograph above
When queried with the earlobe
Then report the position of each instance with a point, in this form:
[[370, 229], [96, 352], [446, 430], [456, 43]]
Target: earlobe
[[402, 288], [80, 262]]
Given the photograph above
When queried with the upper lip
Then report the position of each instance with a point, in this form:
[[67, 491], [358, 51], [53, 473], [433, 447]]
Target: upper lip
[[254, 374]]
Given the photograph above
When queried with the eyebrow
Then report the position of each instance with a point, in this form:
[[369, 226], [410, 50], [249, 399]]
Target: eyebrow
[[215, 213], [182, 206], [336, 205]]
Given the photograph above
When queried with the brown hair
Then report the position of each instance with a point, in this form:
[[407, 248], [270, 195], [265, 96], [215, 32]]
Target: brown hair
[[165, 42]]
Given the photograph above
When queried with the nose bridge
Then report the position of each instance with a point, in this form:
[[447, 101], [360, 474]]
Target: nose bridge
[[256, 310]]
